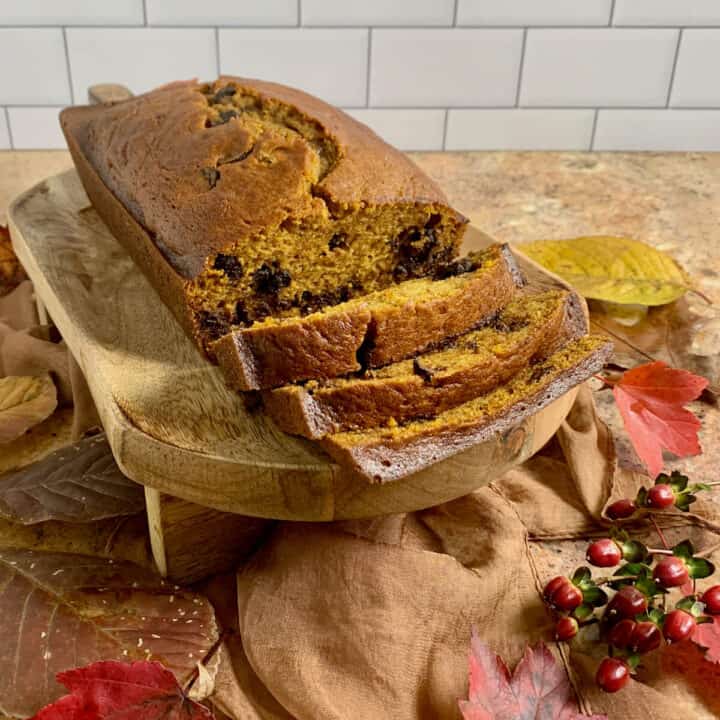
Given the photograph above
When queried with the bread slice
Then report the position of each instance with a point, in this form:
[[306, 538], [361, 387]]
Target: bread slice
[[395, 450], [375, 330], [242, 199], [528, 328]]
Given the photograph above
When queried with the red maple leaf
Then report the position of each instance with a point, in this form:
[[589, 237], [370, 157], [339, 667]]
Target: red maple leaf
[[538, 688], [707, 636], [141, 690], [650, 398]]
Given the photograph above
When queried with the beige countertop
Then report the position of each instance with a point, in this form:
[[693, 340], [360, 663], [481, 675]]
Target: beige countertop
[[670, 200]]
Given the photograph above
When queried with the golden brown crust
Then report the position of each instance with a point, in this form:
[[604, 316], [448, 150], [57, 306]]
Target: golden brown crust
[[316, 410], [335, 341], [150, 150], [383, 455]]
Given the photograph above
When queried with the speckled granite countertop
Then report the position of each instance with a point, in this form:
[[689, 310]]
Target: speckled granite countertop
[[670, 200]]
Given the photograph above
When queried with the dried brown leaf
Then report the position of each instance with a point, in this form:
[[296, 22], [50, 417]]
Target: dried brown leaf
[[684, 334], [24, 402], [59, 611], [11, 272], [78, 483]]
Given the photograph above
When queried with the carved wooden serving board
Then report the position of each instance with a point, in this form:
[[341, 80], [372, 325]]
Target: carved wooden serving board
[[172, 423]]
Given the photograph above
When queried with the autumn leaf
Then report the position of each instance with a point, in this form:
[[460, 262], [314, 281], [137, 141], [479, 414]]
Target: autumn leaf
[[11, 272], [78, 483], [538, 688], [707, 636], [650, 399], [24, 402], [684, 334], [61, 610], [141, 690], [615, 269]]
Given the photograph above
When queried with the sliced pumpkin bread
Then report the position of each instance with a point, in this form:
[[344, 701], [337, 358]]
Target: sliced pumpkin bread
[[395, 450], [529, 327], [374, 330]]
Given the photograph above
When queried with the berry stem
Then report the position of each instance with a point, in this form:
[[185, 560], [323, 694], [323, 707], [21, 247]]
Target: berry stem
[[660, 533], [614, 578], [659, 551]]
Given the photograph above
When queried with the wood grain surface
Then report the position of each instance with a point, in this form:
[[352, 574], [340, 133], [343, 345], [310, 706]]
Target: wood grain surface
[[172, 423]]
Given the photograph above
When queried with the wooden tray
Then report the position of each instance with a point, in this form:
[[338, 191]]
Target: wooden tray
[[172, 424]]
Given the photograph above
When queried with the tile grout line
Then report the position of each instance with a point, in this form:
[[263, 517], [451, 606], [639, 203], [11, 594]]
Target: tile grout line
[[674, 66], [299, 14], [9, 129], [144, 5], [445, 128], [217, 51], [594, 129], [612, 13], [419, 28], [455, 13], [521, 68], [67, 66], [367, 69]]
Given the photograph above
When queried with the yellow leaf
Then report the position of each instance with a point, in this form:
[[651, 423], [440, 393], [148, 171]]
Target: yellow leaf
[[24, 402], [614, 269]]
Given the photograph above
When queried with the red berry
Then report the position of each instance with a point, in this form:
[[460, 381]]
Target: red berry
[[671, 571], [621, 634], [612, 675], [646, 638], [621, 509], [711, 598], [678, 626], [553, 585], [660, 497], [604, 553], [562, 594], [628, 602], [566, 628]]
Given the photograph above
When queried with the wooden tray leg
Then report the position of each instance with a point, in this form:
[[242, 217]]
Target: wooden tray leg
[[190, 542]]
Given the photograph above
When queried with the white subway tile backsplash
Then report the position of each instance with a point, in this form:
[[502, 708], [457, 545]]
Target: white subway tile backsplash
[[407, 13], [519, 129], [331, 64], [695, 84], [533, 12], [34, 67], [141, 58], [681, 130], [36, 128], [424, 68], [406, 129], [222, 12], [4, 133], [666, 12], [590, 67], [71, 12]]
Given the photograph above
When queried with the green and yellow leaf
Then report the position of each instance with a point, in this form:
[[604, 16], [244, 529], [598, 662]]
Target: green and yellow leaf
[[614, 269]]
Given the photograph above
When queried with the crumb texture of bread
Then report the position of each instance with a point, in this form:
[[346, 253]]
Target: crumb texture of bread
[[395, 450], [263, 200], [376, 329], [525, 331]]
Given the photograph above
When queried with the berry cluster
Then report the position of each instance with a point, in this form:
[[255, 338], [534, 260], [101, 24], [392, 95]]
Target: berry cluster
[[631, 605], [668, 491]]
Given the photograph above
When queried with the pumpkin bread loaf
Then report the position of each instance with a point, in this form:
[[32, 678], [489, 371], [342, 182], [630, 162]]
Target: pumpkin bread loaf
[[243, 200], [523, 332], [395, 450], [374, 330]]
